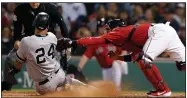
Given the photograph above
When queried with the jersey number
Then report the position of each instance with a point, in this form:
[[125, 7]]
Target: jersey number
[[40, 56]]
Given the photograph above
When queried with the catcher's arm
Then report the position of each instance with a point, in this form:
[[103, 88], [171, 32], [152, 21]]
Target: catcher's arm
[[65, 43]]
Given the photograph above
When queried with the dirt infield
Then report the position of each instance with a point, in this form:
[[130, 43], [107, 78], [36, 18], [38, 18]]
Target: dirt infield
[[122, 94], [102, 89]]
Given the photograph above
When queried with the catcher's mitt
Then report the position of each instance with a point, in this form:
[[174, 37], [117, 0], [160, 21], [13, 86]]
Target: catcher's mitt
[[72, 69], [63, 44]]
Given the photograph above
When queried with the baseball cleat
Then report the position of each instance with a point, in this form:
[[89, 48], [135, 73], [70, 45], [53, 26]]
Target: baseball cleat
[[156, 93]]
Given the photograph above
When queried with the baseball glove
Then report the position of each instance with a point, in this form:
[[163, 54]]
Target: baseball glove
[[72, 69], [63, 44]]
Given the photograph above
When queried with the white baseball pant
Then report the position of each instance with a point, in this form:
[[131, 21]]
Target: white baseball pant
[[51, 86], [164, 38], [115, 73], [56, 83]]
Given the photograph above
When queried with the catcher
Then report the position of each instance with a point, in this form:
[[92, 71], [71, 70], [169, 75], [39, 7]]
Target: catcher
[[142, 40], [37, 51]]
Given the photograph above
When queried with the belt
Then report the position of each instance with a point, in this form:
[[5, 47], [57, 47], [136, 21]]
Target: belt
[[46, 80]]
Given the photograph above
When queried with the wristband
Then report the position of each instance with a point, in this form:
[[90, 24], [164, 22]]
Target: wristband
[[127, 58]]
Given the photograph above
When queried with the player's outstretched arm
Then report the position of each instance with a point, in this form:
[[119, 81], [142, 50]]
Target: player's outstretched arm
[[65, 43], [90, 41]]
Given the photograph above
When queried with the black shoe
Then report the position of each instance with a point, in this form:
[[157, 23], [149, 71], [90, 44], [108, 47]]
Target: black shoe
[[6, 86]]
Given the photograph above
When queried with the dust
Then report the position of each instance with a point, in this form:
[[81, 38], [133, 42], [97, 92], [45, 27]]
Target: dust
[[95, 89]]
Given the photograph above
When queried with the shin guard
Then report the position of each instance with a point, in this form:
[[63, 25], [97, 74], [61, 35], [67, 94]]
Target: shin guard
[[153, 75]]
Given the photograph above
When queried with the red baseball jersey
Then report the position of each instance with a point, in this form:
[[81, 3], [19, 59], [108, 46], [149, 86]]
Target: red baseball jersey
[[119, 36], [101, 54]]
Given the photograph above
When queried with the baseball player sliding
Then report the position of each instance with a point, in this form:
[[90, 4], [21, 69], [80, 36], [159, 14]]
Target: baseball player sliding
[[112, 70], [146, 42], [37, 51]]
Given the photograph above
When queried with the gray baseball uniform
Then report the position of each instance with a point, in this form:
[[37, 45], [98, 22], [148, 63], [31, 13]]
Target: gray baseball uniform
[[38, 54]]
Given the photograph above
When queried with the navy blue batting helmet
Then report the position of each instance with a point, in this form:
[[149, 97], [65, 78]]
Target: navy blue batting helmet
[[41, 21]]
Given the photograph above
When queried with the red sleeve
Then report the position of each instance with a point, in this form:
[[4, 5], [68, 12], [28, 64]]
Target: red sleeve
[[91, 41], [89, 52], [118, 36], [114, 37]]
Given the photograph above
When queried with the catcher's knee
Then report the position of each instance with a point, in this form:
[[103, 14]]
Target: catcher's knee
[[144, 61]]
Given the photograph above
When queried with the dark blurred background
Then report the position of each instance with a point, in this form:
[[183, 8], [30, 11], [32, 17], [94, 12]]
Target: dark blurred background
[[81, 18]]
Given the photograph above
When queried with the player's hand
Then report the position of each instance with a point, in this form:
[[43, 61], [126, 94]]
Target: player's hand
[[63, 43], [16, 44]]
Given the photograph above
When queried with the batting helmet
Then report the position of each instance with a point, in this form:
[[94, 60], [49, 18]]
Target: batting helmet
[[41, 21], [116, 23]]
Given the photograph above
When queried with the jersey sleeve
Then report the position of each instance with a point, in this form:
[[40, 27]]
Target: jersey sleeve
[[89, 52], [20, 54], [55, 40], [52, 36], [89, 41], [119, 35], [114, 37]]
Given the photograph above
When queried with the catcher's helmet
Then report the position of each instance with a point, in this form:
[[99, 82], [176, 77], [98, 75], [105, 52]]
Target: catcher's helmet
[[116, 23], [103, 22], [41, 21], [100, 23]]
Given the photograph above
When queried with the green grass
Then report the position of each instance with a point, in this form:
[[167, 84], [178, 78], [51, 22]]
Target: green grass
[[26, 89]]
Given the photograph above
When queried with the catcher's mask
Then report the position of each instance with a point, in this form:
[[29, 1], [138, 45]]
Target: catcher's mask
[[102, 23], [41, 21]]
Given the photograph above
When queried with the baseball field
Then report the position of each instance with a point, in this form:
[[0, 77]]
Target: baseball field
[[32, 93], [102, 89], [134, 84]]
